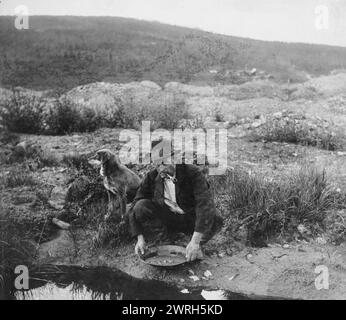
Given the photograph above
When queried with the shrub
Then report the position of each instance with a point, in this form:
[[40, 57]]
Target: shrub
[[89, 121], [164, 111], [65, 117], [167, 113], [7, 137], [125, 115], [29, 114], [300, 131], [274, 207], [22, 113], [62, 118]]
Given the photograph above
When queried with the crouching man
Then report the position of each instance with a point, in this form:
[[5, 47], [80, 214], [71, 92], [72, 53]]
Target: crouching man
[[180, 197]]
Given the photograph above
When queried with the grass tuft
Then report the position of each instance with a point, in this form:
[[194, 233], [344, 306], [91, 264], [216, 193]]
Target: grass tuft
[[18, 178], [274, 207]]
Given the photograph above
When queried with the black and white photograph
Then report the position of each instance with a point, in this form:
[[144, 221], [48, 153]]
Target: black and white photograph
[[167, 150]]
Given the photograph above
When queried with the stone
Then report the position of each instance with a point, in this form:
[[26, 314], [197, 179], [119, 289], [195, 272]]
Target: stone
[[256, 124], [277, 115], [194, 278], [302, 229], [208, 274], [57, 198], [321, 240]]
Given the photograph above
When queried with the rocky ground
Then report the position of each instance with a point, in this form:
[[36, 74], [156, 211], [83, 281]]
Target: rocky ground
[[285, 268], [286, 271]]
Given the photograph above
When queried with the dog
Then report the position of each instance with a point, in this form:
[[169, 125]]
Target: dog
[[119, 180], [121, 184]]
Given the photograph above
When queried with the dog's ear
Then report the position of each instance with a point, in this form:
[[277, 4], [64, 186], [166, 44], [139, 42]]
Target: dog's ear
[[113, 160], [116, 159], [103, 156]]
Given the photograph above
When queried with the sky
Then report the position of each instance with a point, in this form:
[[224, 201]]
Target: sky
[[309, 21]]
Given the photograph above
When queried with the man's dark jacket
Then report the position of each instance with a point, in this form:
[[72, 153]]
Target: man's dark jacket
[[193, 194]]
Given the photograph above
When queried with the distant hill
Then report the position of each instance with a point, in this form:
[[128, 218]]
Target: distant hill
[[64, 52]]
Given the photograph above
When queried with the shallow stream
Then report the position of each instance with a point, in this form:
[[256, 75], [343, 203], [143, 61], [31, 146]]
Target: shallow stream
[[101, 283]]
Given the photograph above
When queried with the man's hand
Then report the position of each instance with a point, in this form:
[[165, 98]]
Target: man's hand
[[193, 249], [140, 245]]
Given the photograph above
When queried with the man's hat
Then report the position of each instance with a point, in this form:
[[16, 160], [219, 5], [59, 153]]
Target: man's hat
[[162, 151]]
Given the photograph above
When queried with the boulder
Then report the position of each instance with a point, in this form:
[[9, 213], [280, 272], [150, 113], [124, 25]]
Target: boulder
[[57, 197]]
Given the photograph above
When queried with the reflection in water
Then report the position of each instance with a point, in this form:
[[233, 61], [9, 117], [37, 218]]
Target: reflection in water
[[52, 291], [100, 283], [75, 283]]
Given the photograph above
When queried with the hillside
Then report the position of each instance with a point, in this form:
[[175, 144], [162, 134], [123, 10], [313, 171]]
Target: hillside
[[64, 52]]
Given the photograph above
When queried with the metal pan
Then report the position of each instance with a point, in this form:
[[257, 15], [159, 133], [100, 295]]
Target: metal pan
[[165, 256]]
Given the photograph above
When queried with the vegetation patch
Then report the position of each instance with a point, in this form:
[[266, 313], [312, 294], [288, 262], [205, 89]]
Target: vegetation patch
[[24, 114], [271, 208], [19, 178], [66, 117], [293, 128], [15, 249], [336, 226]]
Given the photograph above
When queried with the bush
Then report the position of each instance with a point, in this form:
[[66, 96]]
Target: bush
[[300, 131], [274, 207], [164, 111], [22, 113], [168, 112], [29, 115], [126, 115], [66, 117], [7, 137]]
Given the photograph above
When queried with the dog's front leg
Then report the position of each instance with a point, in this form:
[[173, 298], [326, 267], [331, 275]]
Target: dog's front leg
[[110, 207]]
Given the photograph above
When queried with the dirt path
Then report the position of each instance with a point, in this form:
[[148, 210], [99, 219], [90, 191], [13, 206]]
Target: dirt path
[[273, 271]]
